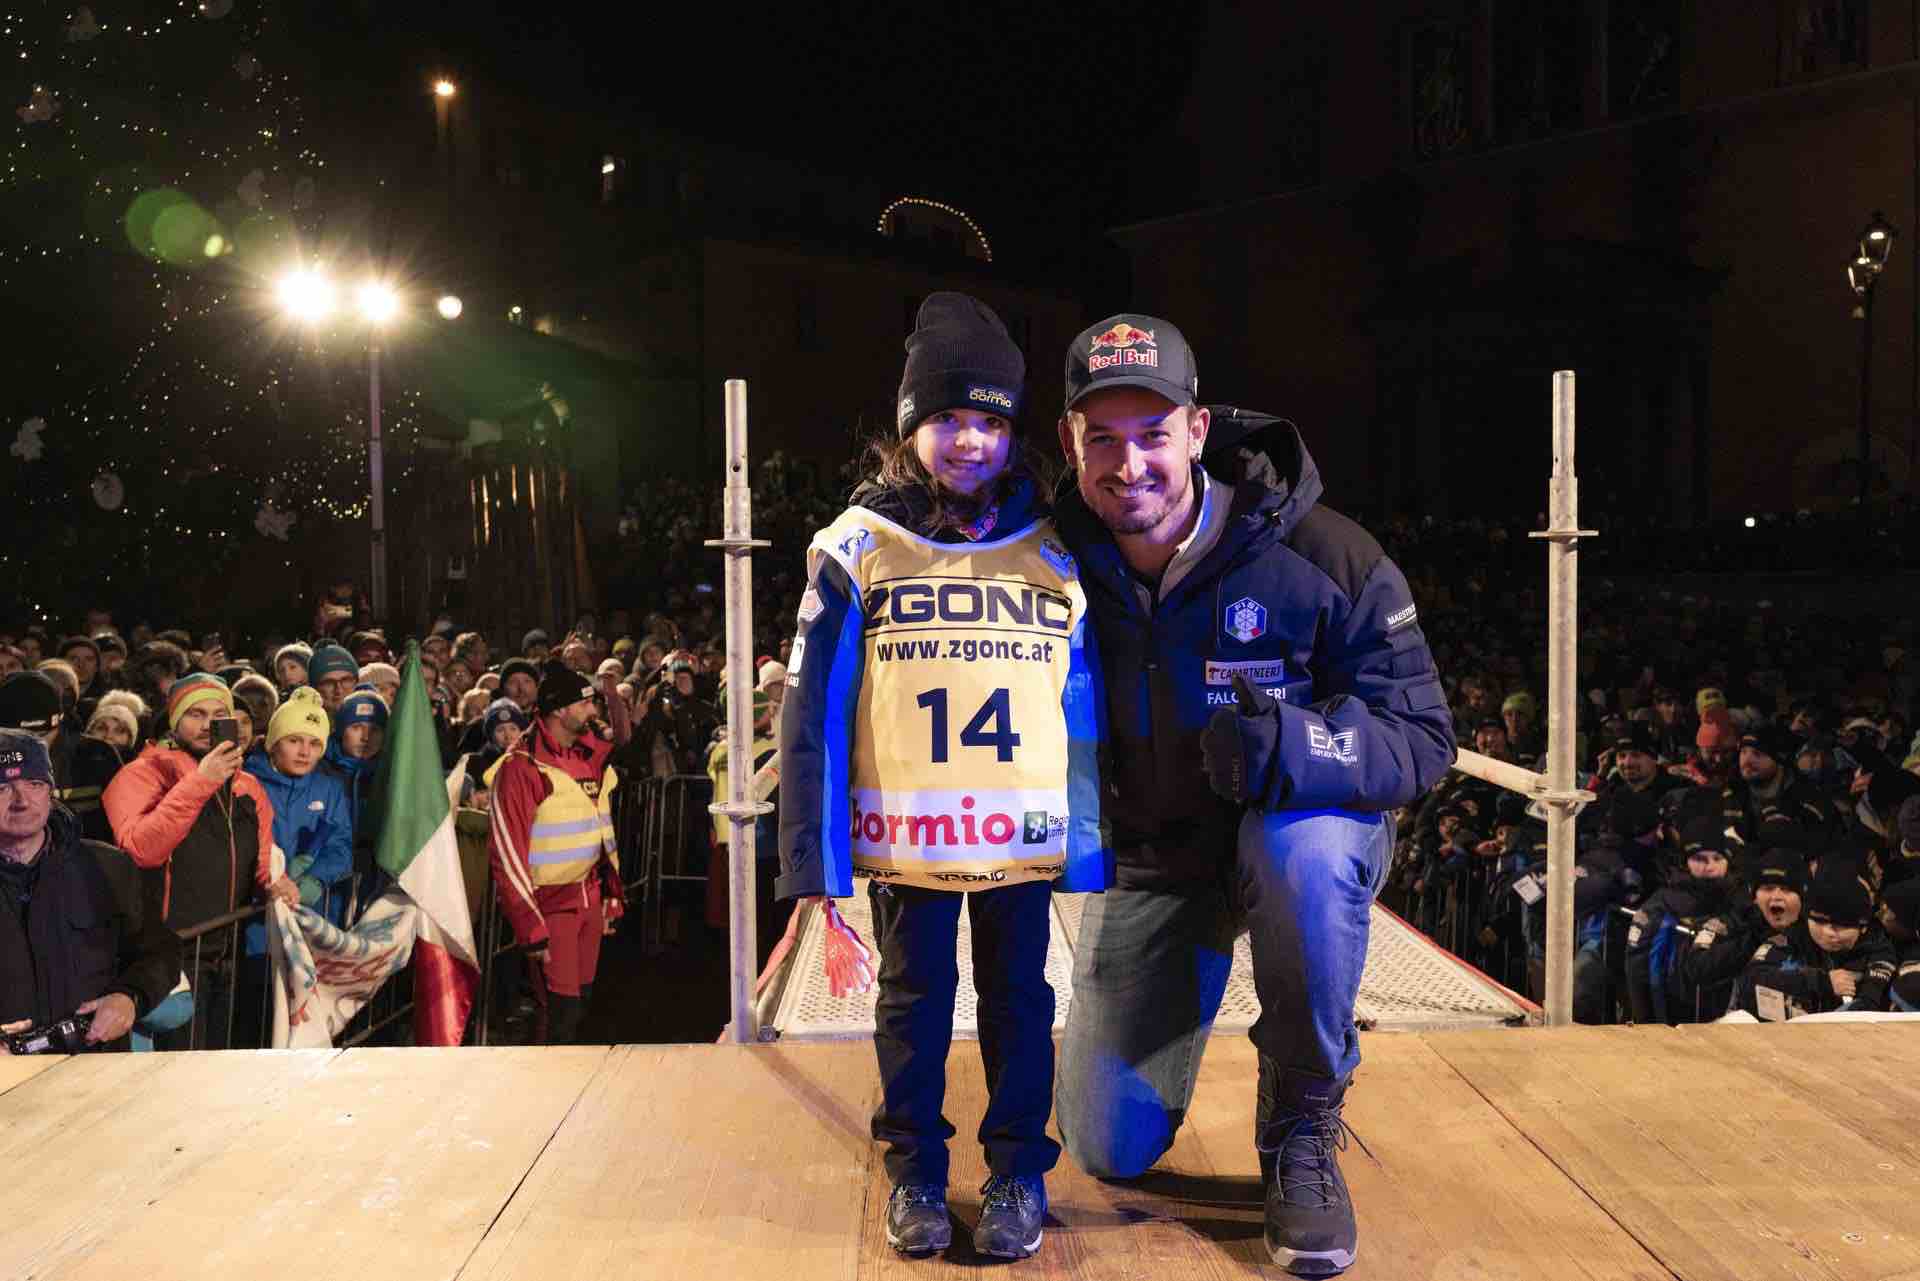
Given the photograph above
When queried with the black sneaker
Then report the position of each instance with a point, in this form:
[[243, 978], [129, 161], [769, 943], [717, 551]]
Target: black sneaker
[[1010, 1216], [917, 1220], [1310, 1229]]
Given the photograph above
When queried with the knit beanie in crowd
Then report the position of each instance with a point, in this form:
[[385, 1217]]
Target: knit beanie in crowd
[[29, 701], [561, 686], [1838, 894], [1773, 740], [128, 699], [363, 706], [518, 667], [502, 711], [1519, 701], [330, 660], [959, 356], [119, 715], [191, 691], [375, 673], [1778, 865], [24, 758], [1708, 696], [300, 651], [255, 686], [302, 713]]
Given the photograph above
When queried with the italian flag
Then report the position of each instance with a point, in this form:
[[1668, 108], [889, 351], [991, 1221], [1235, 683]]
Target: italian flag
[[418, 849]]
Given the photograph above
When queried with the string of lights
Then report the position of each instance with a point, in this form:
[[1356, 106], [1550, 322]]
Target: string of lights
[[159, 172]]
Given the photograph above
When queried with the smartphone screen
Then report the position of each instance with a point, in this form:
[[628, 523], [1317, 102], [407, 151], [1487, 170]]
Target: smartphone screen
[[225, 730]]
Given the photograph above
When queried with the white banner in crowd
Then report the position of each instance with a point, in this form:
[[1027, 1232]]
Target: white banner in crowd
[[324, 975]]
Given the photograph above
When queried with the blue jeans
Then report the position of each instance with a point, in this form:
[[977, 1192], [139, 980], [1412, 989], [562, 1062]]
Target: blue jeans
[[1151, 967]]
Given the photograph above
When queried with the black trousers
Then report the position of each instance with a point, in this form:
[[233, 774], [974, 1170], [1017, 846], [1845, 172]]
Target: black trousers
[[915, 934]]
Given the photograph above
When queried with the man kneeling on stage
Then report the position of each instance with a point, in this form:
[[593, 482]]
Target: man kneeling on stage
[[1257, 641], [556, 866]]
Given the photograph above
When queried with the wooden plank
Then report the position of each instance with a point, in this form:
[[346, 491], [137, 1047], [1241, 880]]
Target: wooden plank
[[18, 1068], [1707, 1162], [699, 1161], [1450, 1188], [1862, 1075], [108, 1134], [387, 1162]]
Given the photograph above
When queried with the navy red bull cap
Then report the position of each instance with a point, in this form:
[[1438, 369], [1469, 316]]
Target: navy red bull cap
[[1132, 350]]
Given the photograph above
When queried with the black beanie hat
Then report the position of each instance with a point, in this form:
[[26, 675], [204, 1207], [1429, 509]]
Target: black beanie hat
[[1707, 833], [561, 686], [518, 667], [29, 701], [1778, 865], [1838, 894], [959, 356]]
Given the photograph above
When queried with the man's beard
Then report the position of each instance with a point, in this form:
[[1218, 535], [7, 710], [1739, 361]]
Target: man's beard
[[1144, 518]]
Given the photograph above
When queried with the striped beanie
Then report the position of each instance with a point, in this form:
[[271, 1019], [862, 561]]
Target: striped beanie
[[201, 687]]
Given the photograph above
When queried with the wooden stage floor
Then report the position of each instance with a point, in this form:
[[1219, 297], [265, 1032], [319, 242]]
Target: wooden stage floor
[[1736, 1152]]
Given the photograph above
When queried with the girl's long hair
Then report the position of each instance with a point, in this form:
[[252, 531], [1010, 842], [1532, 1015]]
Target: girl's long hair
[[895, 463]]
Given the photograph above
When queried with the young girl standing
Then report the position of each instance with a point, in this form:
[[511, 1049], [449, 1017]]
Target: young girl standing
[[940, 738]]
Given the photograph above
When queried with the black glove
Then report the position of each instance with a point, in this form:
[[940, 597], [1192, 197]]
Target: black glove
[[1222, 752]]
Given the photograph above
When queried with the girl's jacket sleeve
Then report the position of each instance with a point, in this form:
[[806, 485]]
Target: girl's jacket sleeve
[[1089, 861], [824, 671]]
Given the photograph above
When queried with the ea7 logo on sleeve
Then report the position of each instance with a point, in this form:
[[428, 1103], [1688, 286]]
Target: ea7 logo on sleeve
[[1246, 620], [1330, 746]]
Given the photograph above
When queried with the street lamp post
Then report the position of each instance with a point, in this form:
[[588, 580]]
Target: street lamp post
[[309, 297], [1863, 273]]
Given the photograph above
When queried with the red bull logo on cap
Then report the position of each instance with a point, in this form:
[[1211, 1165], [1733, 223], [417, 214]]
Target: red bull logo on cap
[[1126, 344]]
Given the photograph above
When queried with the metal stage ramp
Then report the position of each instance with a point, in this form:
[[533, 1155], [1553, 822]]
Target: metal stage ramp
[[1410, 984]]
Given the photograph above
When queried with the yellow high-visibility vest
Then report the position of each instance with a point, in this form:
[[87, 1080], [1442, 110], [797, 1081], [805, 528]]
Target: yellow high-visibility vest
[[570, 828]]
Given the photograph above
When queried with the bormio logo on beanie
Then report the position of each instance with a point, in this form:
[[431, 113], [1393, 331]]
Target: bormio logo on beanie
[[992, 397]]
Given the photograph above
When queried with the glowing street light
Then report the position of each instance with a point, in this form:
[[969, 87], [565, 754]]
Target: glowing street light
[[378, 302], [306, 295], [444, 88], [450, 307]]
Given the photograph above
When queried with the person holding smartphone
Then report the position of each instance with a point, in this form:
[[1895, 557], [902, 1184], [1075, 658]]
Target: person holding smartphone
[[185, 810]]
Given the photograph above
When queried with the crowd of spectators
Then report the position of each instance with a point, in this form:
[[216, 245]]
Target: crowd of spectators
[[1754, 844]]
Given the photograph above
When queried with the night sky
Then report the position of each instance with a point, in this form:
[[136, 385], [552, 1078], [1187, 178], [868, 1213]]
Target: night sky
[[1005, 106]]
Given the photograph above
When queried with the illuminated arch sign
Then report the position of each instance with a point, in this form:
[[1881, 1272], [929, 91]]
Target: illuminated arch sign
[[887, 220]]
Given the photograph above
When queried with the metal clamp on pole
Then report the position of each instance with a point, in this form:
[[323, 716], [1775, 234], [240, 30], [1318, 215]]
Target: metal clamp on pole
[[738, 809]]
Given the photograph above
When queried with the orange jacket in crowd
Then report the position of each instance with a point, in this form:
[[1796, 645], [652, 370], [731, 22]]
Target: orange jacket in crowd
[[154, 802]]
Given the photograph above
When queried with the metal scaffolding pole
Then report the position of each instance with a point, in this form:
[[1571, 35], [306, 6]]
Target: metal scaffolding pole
[[1562, 535], [743, 1025]]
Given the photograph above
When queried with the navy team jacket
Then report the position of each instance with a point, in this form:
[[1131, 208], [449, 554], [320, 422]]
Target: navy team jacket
[[1305, 604]]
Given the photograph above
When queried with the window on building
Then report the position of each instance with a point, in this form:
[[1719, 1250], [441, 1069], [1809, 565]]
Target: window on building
[[1824, 37], [1641, 57], [1437, 87]]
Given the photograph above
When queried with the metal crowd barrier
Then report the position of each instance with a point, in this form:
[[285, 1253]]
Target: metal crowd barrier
[[657, 821], [214, 946]]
